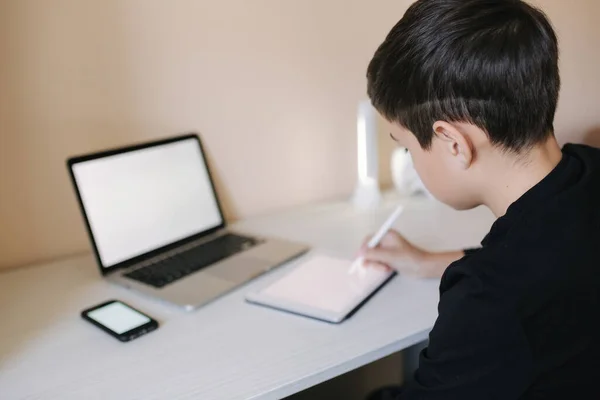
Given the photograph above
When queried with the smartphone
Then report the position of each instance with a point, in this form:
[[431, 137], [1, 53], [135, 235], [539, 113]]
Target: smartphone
[[120, 320]]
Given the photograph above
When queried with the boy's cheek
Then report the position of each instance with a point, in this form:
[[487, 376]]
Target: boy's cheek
[[440, 181], [426, 169]]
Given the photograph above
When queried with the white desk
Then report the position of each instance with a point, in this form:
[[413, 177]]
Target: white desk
[[229, 349]]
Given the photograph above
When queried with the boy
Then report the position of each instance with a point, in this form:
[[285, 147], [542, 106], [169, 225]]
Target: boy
[[470, 88]]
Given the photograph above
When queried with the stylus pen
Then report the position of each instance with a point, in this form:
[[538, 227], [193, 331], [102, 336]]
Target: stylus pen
[[374, 242]]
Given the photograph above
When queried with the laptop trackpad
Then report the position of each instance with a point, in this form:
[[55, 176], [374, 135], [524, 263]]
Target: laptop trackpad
[[239, 269]]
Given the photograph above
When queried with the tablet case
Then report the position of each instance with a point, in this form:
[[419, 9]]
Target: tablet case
[[322, 287]]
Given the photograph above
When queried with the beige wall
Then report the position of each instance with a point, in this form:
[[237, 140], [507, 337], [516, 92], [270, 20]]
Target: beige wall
[[272, 85]]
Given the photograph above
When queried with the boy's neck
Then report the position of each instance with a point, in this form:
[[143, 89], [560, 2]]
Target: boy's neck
[[515, 176]]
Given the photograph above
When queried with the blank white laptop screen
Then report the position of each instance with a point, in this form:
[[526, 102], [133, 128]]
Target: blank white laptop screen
[[142, 200]]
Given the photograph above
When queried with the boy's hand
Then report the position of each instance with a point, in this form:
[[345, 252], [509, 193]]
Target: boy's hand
[[397, 253]]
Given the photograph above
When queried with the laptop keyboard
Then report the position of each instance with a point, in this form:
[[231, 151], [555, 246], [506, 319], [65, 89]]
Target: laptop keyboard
[[180, 265]]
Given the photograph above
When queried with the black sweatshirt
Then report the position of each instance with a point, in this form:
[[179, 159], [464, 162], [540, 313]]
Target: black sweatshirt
[[519, 318]]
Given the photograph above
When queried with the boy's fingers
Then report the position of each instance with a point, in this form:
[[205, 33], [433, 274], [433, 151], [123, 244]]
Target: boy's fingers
[[377, 265], [363, 246], [366, 241], [379, 255]]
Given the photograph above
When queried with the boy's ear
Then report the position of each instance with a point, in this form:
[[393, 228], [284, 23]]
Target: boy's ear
[[457, 143]]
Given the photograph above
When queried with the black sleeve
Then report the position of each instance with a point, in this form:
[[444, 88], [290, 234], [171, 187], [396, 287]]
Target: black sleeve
[[476, 351]]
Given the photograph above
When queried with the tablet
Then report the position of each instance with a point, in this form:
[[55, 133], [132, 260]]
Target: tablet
[[321, 288]]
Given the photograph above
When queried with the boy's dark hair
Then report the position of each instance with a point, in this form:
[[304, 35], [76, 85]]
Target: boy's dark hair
[[492, 63]]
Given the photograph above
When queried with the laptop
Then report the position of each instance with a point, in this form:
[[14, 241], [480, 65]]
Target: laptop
[[156, 224]]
